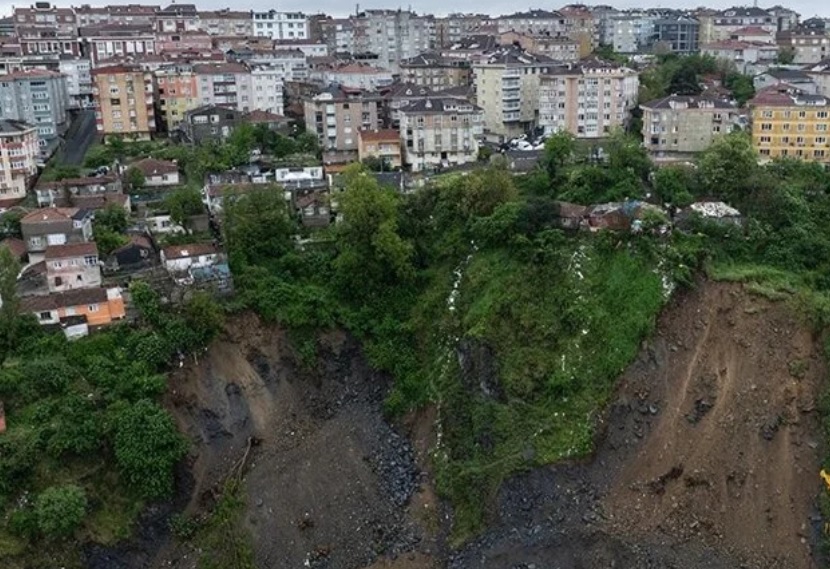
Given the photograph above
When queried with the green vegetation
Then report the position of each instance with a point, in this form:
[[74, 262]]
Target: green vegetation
[[109, 226], [87, 442]]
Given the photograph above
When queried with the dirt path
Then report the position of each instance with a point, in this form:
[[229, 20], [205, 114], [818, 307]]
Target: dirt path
[[709, 460]]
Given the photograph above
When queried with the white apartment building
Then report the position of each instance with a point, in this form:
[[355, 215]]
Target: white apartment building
[[265, 91], [588, 99], [18, 158], [280, 25], [439, 132], [392, 35], [78, 81]]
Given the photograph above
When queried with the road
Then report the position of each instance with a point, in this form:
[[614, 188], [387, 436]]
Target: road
[[79, 138]]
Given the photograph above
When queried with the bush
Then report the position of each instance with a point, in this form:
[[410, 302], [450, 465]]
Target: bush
[[59, 510]]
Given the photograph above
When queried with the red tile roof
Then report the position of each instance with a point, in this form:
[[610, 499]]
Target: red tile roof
[[70, 250], [386, 134], [48, 214], [76, 297], [16, 246], [153, 167]]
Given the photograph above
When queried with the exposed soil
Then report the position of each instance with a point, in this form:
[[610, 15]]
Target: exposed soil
[[709, 457]]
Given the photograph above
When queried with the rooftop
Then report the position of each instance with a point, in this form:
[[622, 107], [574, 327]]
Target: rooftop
[[189, 250], [381, 135], [687, 102], [70, 250], [154, 167], [76, 297]]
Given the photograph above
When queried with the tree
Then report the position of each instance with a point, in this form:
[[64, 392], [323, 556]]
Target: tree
[[182, 204], [786, 56], [59, 510], [559, 151], [371, 253], [135, 178], [727, 167], [377, 164], [10, 223], [258, 227], [627, 154], [109, 226], [147, 446], [9, 303], [741, 86], [204, 315], [60, 172], [673, 184]]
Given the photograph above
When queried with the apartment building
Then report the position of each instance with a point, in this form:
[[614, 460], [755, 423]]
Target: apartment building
[[124, 97], [439, 132], [67, 192], [726, 22], [338, 35], [19, 153], [383, 144], [54, 226], [748, 57], [41, 41], [222, 84], [46, 16], [581, 27], [391, 35], [588, 99], [280, 25], [809, 45], [352, 74], [226, 23], [177, 91], [453, 27], [336, 115], [128, 14], [203, 124], [78, 74], [677, 34], [39, 98], [507, 89], [533, 22], [114, 42], [631, 31], [677, 127], [72, 266], [177, 18], [435, 71], [819, 74], [787, 122], [559, 48], [292, 63], [265, 90]]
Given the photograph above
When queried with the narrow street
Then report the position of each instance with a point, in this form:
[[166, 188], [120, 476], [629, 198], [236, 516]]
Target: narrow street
[[79, 137]]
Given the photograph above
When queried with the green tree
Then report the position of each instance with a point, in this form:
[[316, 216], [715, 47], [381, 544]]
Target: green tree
[[109, 226], [559, 152], [741, 86], [627, 155], [182, 204], [204, 315], [673, 184], [786, 55], [727, 167], [60, 172], [135, 178], [59, 510], [258, 227], [371, 253], [9, 303], [10, 223], [147, 446]]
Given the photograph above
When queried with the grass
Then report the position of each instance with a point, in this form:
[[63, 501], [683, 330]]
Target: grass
[[559, 332], [221, 539]]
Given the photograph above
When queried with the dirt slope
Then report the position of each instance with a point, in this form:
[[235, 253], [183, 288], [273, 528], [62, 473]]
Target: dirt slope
[[709, 459]]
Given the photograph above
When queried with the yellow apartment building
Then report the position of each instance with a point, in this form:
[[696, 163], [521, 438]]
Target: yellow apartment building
[[123, 96], [790, 122]]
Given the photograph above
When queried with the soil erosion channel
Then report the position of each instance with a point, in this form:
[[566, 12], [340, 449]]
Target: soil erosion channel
[[709, 456]]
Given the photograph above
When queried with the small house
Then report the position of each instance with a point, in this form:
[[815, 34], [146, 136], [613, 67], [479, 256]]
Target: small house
[[158, 173], [76, 310], [72, 266], [314, 209], [137, 253], [179, 258], [570, 215]]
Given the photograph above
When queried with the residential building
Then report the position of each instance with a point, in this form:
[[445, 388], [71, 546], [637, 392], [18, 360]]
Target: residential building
[[726, 22], [787, 122], [338, 35], [72, 266], [753, 34], [588, 99], [78, 74], [677, 34], [114, 43], [819, 74], [181, 258], [63, 192], [223, 84], [124, 96], [300, 177], [558, 48], [76, 310], [158, 173], [677, 127], [177, 18], [227, 23], [48, 41], [580, 26], [280, 25], [264, 85], [507, 89], [748, 57], [383, 144], [177, 92], [136, 254], [39, 98], [46, 16], [292, 64], [269, 120], [183, 42], [128, 14], [808, 45], [472, 48], [780, 75], [399, 95], [440, 132], [55, 226], [336, 115], [453, 27], [435, 71], [391, 35], [19, 153], [210, 122], [533, 22], [353, 74], [631, 31], [308, 47]]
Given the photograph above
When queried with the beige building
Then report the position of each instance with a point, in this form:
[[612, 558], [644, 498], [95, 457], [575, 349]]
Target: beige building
[[588, 99], [559, 48], [123, 97], [507, 90], [432, 70], [336, 115], [439, 132], [384, 144], [72, 266], [819, 73], [18, 159], [676, 127], [809, 46]]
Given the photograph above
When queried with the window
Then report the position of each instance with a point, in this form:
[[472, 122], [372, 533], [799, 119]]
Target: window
[[821, 114], [767, 114], [765, 140], [90, 260], [92, 308], [45, 315], [766, 126]]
